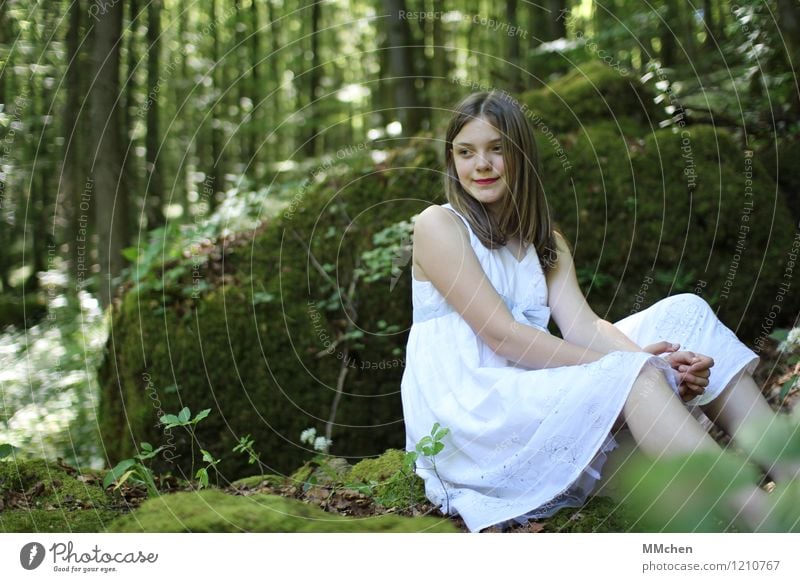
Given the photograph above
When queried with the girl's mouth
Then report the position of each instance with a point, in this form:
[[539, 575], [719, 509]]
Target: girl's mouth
[[485, 181]]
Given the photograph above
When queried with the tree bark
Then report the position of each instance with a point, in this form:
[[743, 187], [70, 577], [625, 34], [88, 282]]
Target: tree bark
[[313, 82], [401, 67], [110, 194], [154, 192]]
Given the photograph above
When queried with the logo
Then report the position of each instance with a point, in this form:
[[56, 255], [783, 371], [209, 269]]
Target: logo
[[31, 555]]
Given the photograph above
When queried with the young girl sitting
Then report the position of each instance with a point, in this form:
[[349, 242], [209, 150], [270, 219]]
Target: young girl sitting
[[531, 415]]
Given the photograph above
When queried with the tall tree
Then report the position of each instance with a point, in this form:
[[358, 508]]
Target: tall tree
[[110, 193], [313, 82], [6, 225], [401, 66], [77, 223], [154, 192]]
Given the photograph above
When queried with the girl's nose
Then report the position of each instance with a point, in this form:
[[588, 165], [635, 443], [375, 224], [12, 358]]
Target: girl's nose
[[483, 163]]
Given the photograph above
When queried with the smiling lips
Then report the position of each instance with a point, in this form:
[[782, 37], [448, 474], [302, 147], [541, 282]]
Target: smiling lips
[[485, 181]]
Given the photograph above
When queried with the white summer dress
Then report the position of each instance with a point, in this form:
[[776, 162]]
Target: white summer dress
[[524, 443]]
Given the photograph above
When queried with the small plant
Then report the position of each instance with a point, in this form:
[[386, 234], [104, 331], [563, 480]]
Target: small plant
[[246, 446], [135, 470], [202, 472], [185, 420], [430, 446]]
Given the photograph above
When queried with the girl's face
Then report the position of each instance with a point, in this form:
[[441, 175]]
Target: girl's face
[[478, 157]]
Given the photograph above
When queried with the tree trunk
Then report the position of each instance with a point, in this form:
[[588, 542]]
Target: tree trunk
[[132, 90], [513, 48], [216, 173], [789, 24], [110, 194], [6, 225], [313, 82], [154, 193], [256, 127], [401, 67], [77, 227], [558, 23], [667, 33]]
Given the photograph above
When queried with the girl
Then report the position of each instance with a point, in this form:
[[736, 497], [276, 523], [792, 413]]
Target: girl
[[530, 414]]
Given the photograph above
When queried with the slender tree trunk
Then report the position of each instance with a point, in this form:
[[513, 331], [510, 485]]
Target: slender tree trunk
[[710, 25], [154, 193], [513, 48], [669, 46], [558, 25], [440, 65], [401, 64], [131, 91], [6, 226], [110, 194], [313, 83], [789, 24], [77, 227], [216, 173], [276, 111], [256, 126]]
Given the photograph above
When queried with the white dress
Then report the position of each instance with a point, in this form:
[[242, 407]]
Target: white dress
[[524, 443]]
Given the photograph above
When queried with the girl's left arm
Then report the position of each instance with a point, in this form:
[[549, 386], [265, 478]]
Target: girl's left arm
[[575, 319], [580, 325]]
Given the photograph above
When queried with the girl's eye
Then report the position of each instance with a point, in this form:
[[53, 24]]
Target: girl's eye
[[498, 149], [463, 152]]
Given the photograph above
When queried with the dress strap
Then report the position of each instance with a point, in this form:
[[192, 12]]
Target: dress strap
[[461, 216]]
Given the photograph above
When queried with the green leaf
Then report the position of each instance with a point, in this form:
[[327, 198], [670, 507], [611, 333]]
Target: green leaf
[[170, 419], [131, 254], [201, 415], [202, 477], [184, 415], [208, 457], [115, 473], [6, 450], [787, 387], [147, 447]]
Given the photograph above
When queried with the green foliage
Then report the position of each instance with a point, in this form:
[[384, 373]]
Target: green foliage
[[6, 450], [702, 492], [135, 470], [245, 446], [429, 446]]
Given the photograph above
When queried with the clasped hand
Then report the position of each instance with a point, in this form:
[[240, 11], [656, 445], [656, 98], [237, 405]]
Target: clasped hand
[[693, 369]]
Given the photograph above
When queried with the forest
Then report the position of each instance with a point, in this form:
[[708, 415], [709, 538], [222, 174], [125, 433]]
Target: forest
[[206, 212]]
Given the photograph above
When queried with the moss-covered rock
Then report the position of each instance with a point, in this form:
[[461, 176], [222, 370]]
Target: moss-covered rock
[[214, 511], [590, 93], [37, 496], [393, 485], [671, 212], [273, 341]]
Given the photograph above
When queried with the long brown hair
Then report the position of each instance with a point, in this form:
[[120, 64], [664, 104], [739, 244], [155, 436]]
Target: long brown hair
[[523, 211]]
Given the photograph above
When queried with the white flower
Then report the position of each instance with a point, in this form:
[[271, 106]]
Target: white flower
[[308, 435], [322, 444]]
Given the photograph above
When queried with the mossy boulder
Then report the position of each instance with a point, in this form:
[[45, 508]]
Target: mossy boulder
[[37, 496], [394, 485], [214, 511], [590, 93], [299, 317]]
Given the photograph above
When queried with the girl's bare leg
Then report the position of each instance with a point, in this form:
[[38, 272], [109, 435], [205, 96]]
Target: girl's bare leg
[[662, 426], [741, 406]]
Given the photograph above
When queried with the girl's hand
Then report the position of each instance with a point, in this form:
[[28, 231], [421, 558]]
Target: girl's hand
[[694, 370], [659, 348]]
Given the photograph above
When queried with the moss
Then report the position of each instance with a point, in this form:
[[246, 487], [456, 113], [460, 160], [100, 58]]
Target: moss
[[213, 511], [50, 521], [49, 486], [600, 514], [255, 481], [394, 486]]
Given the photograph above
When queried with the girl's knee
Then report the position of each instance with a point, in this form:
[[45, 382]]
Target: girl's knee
[[688, 301]]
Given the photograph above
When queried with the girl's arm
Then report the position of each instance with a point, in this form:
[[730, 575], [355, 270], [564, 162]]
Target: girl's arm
[[573, 316], [583, 327], [443, 253]]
